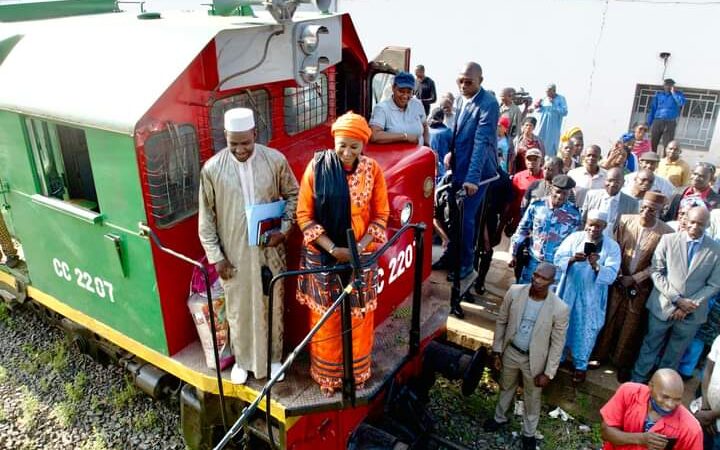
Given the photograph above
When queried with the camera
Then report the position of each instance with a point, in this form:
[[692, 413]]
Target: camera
[[522, 97]]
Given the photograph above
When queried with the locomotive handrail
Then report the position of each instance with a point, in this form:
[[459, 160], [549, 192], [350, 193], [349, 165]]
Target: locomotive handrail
[[348, 378], [147, 231]]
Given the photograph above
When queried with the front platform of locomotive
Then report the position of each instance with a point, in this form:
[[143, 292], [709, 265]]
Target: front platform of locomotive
[[104, 153]]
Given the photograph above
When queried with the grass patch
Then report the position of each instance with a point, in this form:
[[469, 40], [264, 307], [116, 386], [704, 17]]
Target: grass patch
[[75, 391], [29, 405], [56, 356], [3, 374], [32, 363], [65, 413], [403, 312], [5, 317], [95, 442], [95, 404], [3, 415], [45, 385], [121, 397], [146, 421]]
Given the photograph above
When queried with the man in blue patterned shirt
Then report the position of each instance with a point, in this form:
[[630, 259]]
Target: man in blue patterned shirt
[[543, 227]]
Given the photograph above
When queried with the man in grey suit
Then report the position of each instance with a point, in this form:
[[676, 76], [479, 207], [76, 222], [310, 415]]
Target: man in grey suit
[[685, 273], [610, 200], [529, 340]]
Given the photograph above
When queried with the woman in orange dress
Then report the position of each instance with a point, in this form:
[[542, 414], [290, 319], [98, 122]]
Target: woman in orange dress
[[341, 189]]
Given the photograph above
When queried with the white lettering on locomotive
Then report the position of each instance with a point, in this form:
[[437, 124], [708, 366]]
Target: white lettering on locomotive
[[95, 285]]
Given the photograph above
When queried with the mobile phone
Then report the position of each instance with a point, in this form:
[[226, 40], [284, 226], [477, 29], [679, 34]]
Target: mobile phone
[[671, 443], [589, 248]]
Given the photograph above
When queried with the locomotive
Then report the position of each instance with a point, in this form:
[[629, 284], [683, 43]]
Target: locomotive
[[105, 120]]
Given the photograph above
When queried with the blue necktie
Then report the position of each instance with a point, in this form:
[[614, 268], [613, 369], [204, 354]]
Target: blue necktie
[[692, 245]]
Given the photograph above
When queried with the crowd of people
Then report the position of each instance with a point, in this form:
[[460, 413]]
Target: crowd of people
[[616, 254]]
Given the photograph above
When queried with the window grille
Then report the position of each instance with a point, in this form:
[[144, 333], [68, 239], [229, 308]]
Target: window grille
[[306, 107], [258, 101], [172, 165], [697, 118]]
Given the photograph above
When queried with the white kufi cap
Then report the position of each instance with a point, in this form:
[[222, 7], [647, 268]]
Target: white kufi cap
[[239, 119], [596, 214]]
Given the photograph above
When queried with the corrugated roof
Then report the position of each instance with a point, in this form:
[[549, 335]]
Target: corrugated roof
[[103, 71]]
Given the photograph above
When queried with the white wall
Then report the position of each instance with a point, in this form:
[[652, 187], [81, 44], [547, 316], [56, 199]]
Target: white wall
[[595, 51]]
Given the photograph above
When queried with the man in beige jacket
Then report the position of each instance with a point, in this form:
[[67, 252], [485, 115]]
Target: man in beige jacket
[[529, 340]]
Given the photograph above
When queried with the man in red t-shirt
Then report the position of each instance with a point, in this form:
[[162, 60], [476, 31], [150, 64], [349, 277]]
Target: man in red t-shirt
[[650, 417], [521, 181]]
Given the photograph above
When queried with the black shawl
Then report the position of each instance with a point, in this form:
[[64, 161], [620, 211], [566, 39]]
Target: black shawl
[[332, 199]]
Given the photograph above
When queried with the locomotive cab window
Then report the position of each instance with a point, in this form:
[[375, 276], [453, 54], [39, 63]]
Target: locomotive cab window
[[172, 165], [306, 107], [62, 163], [258, 101]]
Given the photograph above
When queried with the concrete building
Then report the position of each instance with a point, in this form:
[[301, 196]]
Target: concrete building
[[603, 55]]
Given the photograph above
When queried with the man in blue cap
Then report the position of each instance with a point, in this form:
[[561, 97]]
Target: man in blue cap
[[400, 118]]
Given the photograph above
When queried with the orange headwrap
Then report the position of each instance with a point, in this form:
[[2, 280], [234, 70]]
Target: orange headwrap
[[352, 125]]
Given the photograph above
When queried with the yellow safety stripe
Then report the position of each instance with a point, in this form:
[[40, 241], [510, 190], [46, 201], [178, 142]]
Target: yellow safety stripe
[[202, 381]]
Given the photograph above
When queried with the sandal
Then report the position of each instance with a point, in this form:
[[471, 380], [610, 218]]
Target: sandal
[[327, 391]]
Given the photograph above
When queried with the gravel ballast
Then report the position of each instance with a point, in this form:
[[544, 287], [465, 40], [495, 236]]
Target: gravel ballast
[[54, 397]]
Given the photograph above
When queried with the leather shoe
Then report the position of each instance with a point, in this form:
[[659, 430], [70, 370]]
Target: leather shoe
[[529, 443], [579, 376], [457, 311], [624, 375], [491, 425], [464, 273], [442, 264]]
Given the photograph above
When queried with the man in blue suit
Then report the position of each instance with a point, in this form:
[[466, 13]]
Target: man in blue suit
[[473, 156]]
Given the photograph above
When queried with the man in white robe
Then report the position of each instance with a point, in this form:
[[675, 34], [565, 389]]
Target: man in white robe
[[243, 174], [586, 272]]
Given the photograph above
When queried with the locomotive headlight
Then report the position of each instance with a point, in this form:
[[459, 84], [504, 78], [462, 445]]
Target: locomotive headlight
[[428, 187], [309, 38], [406, 213]]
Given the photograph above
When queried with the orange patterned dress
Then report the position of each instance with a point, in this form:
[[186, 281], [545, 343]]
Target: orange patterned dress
[[369, 213]]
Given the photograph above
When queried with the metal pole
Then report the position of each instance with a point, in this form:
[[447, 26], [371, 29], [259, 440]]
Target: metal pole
[[247, 411], [144, 229], [417, 290], [455, 199], [346, 322], [292, 273]]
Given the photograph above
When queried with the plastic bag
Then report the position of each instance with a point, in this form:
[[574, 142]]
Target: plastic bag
[[198, 306]]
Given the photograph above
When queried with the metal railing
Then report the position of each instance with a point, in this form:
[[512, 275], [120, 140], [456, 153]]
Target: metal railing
[[356, 266], [147, 231]]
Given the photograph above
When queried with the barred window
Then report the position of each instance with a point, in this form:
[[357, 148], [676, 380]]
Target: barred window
[[698, 118], [258, 101], [306, 107], [172, 164]]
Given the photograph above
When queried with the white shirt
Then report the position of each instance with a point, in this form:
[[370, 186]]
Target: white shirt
[[584, 182], [610, 206], [388, 116], [660, 184], [713, 394], [714, 229], [461, 103]]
